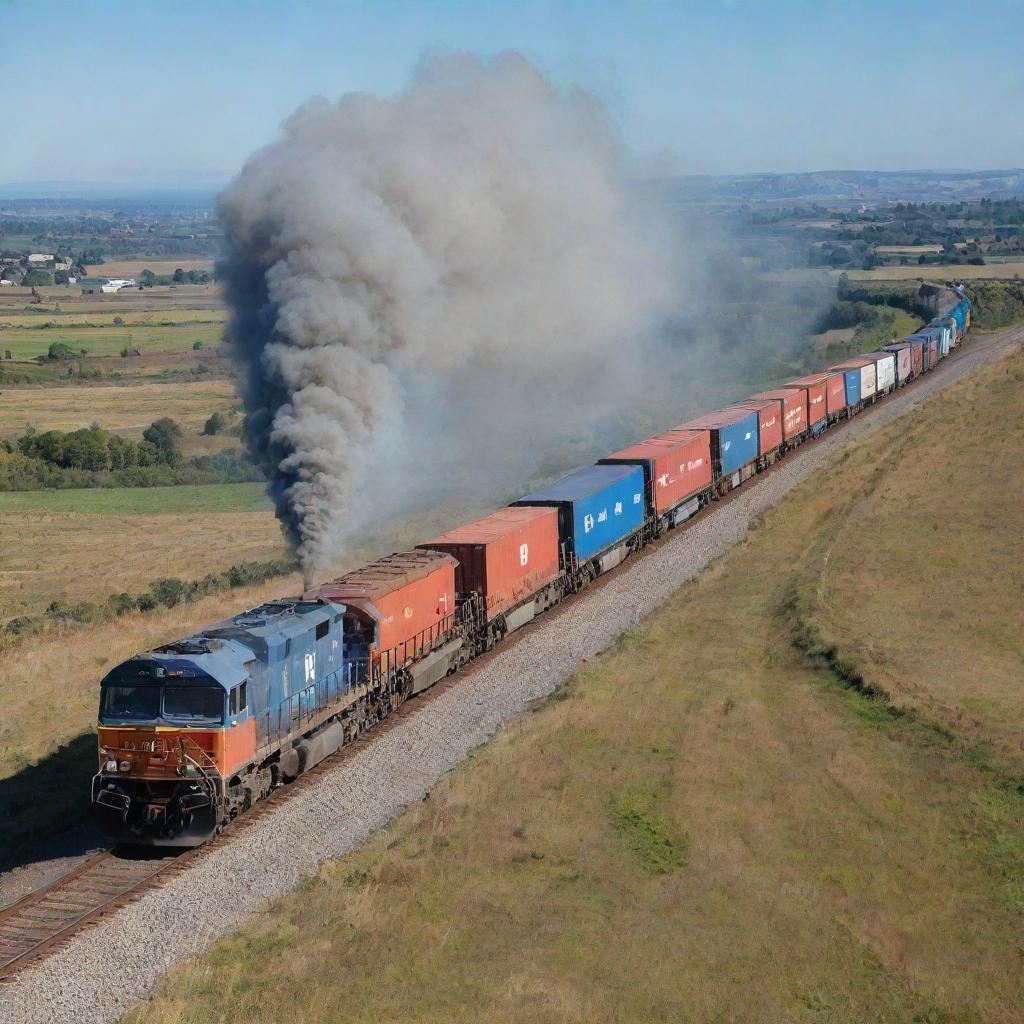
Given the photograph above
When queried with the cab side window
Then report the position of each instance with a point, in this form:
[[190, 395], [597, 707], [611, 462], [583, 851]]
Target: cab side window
[[238, 701]]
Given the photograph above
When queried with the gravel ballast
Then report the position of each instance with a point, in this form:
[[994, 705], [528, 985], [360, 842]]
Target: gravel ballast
[[107, 968]]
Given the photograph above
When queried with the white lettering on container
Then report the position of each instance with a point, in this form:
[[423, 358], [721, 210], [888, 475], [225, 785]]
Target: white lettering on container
[[524, 554], [588, 524]]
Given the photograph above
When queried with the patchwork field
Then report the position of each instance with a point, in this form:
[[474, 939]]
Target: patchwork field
[[791, 795]]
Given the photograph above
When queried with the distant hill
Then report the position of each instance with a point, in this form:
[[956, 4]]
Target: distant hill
[[853, 187]]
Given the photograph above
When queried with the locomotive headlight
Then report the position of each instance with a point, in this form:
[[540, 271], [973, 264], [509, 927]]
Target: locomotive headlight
[[110, 766], [126, 766]]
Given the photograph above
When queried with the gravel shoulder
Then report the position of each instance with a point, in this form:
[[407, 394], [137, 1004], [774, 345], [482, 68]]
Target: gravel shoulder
[[106, 969]]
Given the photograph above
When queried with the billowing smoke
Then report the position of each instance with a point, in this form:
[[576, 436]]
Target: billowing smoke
[[427, 284]]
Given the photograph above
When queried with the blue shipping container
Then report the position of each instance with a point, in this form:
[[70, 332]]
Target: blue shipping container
[[851, 378], [734, 440], [597, 506]]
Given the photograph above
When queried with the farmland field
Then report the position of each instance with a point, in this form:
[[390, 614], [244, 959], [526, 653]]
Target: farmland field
[[994, 271], [133, 268], [109, 341], [123, 409], [140, 501], [773, 800]]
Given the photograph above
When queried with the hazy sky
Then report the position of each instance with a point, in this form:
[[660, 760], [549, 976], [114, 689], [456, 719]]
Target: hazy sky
[[183, 92]]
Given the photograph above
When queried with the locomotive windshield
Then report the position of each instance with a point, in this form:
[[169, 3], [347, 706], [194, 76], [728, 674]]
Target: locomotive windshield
[[131, 703], [194, 703], [173, 703]]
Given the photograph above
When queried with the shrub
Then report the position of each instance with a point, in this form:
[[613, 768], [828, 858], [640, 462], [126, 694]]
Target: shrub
[[215, 424]]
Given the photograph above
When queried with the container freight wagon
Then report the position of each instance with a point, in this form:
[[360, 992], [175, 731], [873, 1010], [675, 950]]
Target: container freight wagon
[[885, 370], [902, 351], [400, 617], [946, 334], [834, 385], [851, 385], [769, 429], [677, 472], [927, 343], [866, 368], [733, 444], [793, 406], [507, 569], [601, 513]]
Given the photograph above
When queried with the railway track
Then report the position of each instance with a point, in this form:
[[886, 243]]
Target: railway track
[[44, 920], [32, 927]]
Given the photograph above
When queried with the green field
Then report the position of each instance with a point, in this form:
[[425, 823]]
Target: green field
[[141, 501], [791, 795], [103, 341]]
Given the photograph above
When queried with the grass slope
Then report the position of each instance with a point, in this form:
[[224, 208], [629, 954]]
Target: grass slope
[[719, 818]]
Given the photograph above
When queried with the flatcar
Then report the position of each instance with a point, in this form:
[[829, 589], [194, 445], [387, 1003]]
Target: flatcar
[[193, 733]]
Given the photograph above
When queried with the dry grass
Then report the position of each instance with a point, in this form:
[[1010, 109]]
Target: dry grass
[[907, 250], [922, 581], [71, 299], [703, 825], [63, 556], [993, 271], [106, 317], [126, 410]]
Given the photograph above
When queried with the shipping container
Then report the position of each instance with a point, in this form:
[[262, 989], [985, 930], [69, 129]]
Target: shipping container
[[503, 558], [818, 386], [598, 507], [769, 424], [733, 438], [922, 339], [902, 350], [676, 467], [885, 370], [793, 405], [408, 598], [867, 375], [851, 382]]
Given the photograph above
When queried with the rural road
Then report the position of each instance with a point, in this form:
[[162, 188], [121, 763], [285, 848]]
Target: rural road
[[108, 968]]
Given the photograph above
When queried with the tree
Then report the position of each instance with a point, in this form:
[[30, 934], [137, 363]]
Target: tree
[[36, 277], [59, 351], [196, 346], [215, 424], [162, 435], [179, 276]]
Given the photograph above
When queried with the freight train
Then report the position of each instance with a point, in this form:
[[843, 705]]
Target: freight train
[[193, 733]]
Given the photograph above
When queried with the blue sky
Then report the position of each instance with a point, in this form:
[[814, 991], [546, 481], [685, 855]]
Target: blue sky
[[183, 92]]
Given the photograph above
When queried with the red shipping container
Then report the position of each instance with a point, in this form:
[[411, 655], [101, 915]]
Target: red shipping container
[[769, 423], [917, 357], [794, 409], [823, 391], [504, 557], [676, 466], [410, 596]]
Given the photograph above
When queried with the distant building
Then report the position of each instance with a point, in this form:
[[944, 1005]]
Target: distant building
[[64, 264], [5, 283], [40, 257]]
